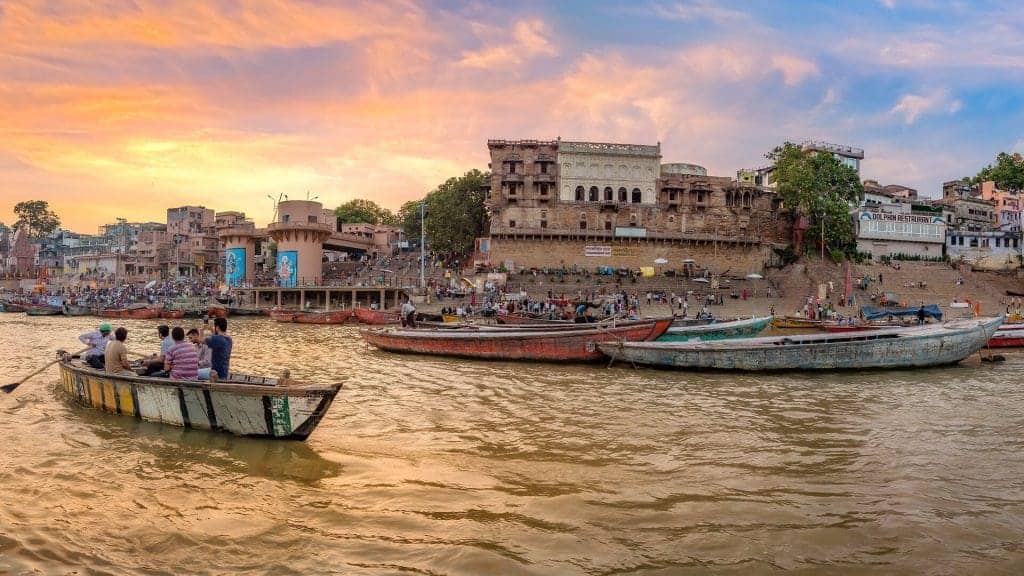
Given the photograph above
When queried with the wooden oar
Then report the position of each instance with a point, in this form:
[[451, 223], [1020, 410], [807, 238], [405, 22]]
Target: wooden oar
[[8, 388]]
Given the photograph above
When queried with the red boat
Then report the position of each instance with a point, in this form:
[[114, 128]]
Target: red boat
[[217, 312], [367, 316], [172, 314], [282, 315], [332, 317], [527, 319], [134, 313], [1008, 338], [558, 346]]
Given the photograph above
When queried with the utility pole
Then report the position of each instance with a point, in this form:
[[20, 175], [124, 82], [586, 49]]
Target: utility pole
[[821, 224], [423, 241]]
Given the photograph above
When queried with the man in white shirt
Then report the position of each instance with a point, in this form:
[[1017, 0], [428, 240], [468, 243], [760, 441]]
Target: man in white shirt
[[97, 342], [409, 314]]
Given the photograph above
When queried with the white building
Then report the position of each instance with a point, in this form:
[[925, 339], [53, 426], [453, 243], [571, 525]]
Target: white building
[[599, 172], [985, 250], [887, 234]]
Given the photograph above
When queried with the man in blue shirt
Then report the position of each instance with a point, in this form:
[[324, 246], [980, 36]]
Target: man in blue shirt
[[220, 350]]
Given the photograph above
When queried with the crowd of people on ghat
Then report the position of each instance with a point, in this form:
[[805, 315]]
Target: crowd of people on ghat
[[122, 295], [194, 354]]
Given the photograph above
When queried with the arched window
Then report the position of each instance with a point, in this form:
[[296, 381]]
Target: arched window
[[583, 220], [608, 223], [594, 194], [746, 199], [579, 193], [623, 195], [608, 194], [632, 219], [728, 198], [636, 196]]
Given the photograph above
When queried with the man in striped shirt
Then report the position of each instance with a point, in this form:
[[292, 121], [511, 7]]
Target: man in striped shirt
[[182, 360]]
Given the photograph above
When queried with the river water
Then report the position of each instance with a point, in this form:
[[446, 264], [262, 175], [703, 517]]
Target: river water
[[439, 466]]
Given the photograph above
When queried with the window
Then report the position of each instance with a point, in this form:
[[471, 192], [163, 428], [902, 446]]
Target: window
[[543, 167], [672, 196], [593, 194], [511, 167], [511, 223], [608, 194], [579, 193], [543, 189], [728, 198], [543, 223], [583, 220], [607, 223], [636, 196], [311, 219], [700, 196], [632, 219], [622, 194], [746, 199], [286, 217]]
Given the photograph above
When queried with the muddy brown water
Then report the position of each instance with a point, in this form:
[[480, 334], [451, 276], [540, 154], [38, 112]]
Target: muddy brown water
[[440, 466]]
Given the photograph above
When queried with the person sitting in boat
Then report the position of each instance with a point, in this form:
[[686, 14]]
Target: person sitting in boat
[[155, 363], [203, 351], [182, 361], [116, 354], [220, 350], [97, 342]]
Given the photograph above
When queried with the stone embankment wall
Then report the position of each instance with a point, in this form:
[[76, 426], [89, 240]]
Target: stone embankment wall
[[739, 259]]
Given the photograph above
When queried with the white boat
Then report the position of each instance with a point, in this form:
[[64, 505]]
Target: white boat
[[243, 405], [928, 345]]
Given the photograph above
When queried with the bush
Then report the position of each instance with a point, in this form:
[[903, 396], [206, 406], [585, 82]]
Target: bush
[[837, 255], [786, 255]]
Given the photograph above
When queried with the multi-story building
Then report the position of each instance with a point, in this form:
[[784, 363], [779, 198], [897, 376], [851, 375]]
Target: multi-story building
[[847, 155], [885, 231], [969, 210], [616, 204], [195, 247], [1007, 203]]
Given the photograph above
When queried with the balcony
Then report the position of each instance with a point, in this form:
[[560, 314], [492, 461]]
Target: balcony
[[507, 177], [548, 177]]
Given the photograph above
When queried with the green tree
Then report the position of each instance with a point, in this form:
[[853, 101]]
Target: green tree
[[409, 220], [819, 186], [456, 214], [368, 211], [1007, 172], [37, 217]]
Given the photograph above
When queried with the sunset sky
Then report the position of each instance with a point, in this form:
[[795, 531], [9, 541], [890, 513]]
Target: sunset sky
[[122, 108]]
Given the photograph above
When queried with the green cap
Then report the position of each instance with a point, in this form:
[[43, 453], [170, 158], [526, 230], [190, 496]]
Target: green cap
[[104, 327]]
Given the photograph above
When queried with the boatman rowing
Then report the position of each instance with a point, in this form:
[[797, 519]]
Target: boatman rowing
[[97, 342]]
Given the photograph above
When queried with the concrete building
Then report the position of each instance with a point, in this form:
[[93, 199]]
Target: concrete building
[[847, 155], [970, 211], [194, 243], [889, 233], [988, 250], [1007, 206]]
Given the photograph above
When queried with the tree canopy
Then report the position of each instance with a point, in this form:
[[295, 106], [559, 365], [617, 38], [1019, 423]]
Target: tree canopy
[[456, 215], [409, 220], [1007, 172], [819, 186], [37, 217], [368, 211]]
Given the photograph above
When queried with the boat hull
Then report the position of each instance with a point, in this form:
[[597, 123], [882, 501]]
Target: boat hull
[[77, 311], [378, 317], [217, 312], [172, 314], [332, 317], [260, 410], [137, 314], [43, 311], [13, 308], [932, 345], [559, 346], [1007, 338], [721, 331], [524, 319], [791, 323]]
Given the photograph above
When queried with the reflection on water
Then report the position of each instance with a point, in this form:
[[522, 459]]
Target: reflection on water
[[428, 465]]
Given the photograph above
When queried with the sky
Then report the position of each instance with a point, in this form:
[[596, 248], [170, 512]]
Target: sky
[[123, 108]]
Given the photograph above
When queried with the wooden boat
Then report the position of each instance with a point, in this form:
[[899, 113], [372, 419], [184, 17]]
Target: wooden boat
[[917, 347], [321, 317], [135, 313], [243, 405], [13, 307], [794, 323], [717, 331], [449, 318], [42, 310], [217, 312], [236, 311], [367, 316], [528, 319], [837, 328], [562, 345], [533, 327], [172, 314], [74, 310], [1009, 335], [282, 315]]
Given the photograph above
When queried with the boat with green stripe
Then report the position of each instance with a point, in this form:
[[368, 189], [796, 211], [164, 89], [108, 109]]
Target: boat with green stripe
[[264, 407]]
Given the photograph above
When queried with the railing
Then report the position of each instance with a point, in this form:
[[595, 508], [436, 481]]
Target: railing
[[273, 226]]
